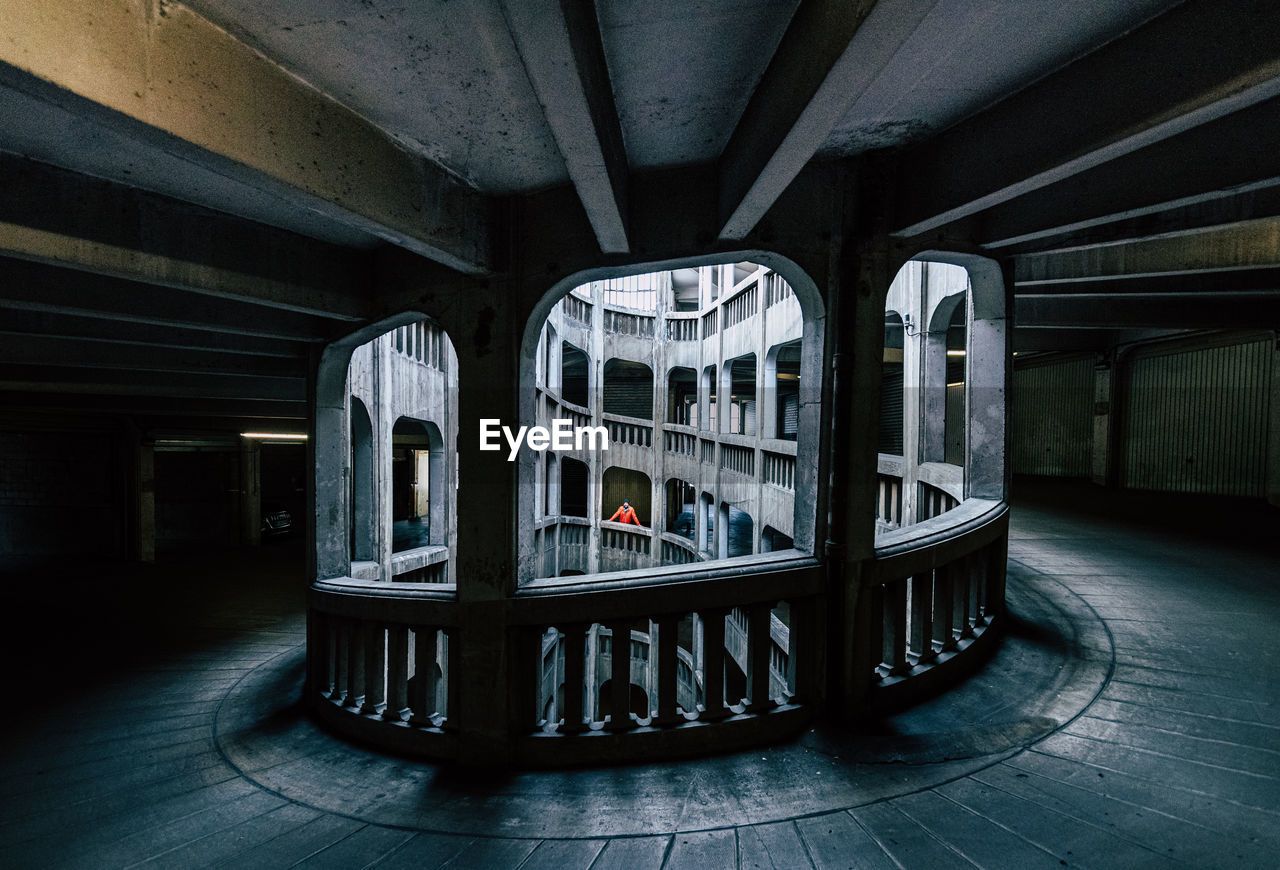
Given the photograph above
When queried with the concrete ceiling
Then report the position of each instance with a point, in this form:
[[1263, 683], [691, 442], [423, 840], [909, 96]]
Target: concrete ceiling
[[196, 187]]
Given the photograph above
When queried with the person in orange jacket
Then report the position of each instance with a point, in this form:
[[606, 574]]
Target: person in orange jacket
[[625, 514]]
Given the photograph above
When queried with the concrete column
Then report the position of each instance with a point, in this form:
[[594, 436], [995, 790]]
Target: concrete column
[[250, 492], [1273, 431], [144, 499], [1103, 419], [384, 420], [487, 518]]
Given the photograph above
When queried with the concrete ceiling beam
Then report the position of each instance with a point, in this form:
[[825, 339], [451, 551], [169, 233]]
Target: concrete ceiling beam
[[26, 286], [1133, 312], [1230, 281], [1167, 177], [178, 86], [43, 324], [52, 215], [1252, 245], [1221, 57], [226, 412], [68, 379], [74, 352], [1043, 339], [562, 52], [831, 53]]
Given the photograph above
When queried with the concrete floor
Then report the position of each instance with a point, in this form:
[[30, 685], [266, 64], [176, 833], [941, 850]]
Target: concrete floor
[[1130, 719]]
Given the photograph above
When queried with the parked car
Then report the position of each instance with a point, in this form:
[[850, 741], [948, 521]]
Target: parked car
[[276, 521]]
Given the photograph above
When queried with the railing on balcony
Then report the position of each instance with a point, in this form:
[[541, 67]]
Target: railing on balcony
[[577, 309], [779, 470], [682, 328], [379, 665], [622, 323], [421, 565], [937, 587], [623, 430], [741, 307], [680, 442], [709, 323], [771, 704], [677, 550], [734, 457]]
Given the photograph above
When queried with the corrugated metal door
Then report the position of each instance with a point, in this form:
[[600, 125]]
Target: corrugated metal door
[[1196, 418], [1052, 418], [891, 409]]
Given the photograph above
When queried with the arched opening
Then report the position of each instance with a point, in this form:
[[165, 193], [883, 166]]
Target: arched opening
[[573, 487], [363, 524], [957, 343], [741, 385], [737, 532], [771, 539], [624, 484], [628, 389], [682, 396], [702, 329], [418, 490], [783, 374], [680, 498], [574, 378], [707, 522]]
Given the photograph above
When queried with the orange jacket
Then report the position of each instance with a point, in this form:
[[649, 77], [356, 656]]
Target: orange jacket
[[627, 514]]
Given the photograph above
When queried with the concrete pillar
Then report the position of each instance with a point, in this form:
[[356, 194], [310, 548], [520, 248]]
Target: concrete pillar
[[1273, 431], [486, 520], [250, 492], [144, 499], [1103, 419]]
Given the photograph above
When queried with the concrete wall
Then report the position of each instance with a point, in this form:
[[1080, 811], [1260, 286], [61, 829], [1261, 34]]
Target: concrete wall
[[62, 494], [1052, 417]]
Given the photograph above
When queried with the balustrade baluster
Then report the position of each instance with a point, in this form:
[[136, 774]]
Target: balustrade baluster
[[759, 655], [801, 676], [397, 673], [575, 656], [667, 658], [943, 608], [620, 677], [713, 654], [422, 700], [355, 666], [339, 640], [960, 577], [895, 627], [452, 683], [875, 630], [922, 617], [375, 668], [979, 585]]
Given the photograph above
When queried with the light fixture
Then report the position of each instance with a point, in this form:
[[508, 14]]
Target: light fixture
[[955, 353], [274, 436]]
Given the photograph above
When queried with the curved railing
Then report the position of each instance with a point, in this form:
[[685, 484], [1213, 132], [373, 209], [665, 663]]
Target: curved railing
[[379, 665], [720, 655], [733, 605], [935, 590]]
